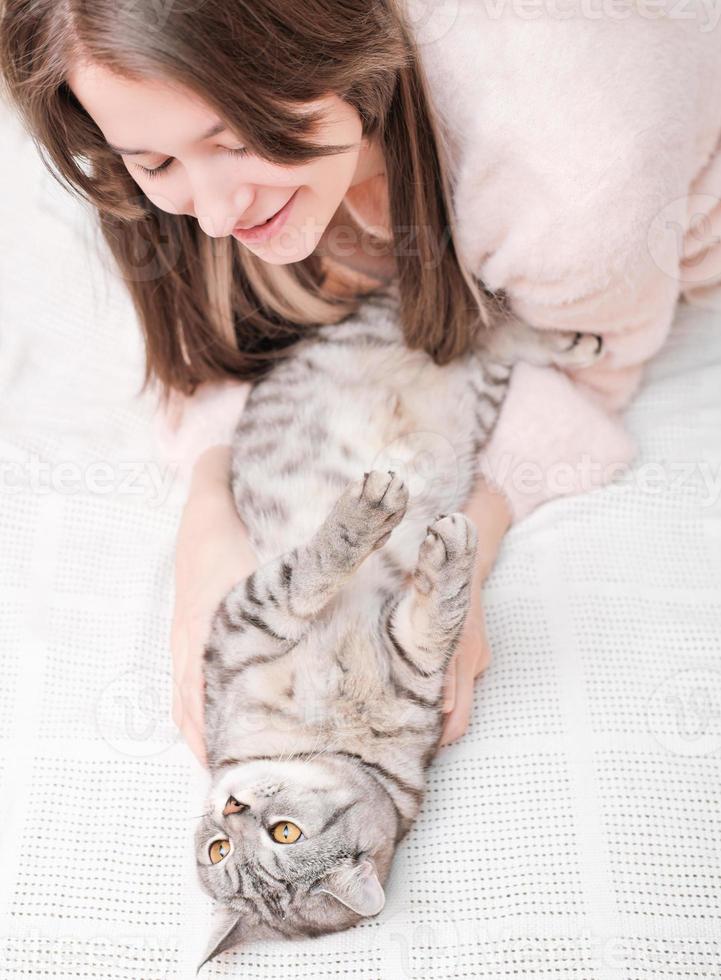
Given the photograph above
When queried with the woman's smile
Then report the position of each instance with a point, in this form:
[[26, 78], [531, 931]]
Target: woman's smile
[[267, 228]]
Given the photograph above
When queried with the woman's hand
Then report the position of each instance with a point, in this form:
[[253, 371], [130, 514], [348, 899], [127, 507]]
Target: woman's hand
[[470, 659], [490, 512], [212, 554]]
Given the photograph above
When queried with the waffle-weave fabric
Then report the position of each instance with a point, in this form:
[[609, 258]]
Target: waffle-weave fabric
[[572, 834]]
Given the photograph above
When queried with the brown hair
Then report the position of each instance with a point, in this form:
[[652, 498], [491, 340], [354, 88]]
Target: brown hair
[[208, 307]]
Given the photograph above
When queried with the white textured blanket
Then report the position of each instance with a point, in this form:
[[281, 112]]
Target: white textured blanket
[[573, 834]]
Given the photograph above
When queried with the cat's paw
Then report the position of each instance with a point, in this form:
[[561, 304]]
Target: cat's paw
[[384, 490], [447, 553], [571, 348], [371, 507]]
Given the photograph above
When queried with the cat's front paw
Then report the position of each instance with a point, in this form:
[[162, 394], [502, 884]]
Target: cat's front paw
[[446, 556], [571, 348], [371, 507]]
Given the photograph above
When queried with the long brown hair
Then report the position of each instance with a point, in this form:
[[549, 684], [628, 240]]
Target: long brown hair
[[208, 307]]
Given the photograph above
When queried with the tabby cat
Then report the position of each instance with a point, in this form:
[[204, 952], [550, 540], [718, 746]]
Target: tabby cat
[[324, 668]]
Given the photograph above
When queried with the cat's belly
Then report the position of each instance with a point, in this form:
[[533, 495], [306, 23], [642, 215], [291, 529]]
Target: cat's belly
[[333, 688], [422, 429]]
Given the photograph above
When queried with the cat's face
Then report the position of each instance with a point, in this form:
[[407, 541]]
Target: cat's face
[[291, 849]]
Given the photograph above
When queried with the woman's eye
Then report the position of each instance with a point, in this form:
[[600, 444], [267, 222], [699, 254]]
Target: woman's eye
[[156, 170], [240, 151], [285, 832]]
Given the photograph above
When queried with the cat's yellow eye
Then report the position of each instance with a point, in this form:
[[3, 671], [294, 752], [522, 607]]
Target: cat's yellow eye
[[218, 850], [285, 832]]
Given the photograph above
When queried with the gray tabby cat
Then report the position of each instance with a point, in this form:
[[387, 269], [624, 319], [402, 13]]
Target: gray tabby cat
[[324, 668]]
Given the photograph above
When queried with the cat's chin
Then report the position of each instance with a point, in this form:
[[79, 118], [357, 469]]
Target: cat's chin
[[325, 911]]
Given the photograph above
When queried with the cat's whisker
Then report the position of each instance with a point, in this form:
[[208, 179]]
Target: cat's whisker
[[317, 748]]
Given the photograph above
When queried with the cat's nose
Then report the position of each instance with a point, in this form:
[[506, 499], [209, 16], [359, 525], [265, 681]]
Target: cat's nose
[[234, 806]]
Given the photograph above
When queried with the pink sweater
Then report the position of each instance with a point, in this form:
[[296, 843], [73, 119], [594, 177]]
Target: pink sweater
[[587, 185]]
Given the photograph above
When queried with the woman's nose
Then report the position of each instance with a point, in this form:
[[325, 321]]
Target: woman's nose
[[220, 209]]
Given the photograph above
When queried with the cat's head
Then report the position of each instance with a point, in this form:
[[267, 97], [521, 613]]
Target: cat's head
[[293, 848]]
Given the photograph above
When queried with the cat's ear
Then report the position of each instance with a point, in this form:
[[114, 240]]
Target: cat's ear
[[230, 930], [356, 886]]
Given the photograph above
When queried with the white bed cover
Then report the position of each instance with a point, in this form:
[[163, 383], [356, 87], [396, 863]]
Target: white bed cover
[[572, 834]]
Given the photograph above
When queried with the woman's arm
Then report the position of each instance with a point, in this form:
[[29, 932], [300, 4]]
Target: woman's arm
[[552, 440], [189, 424], [490, 511], [212, 554]]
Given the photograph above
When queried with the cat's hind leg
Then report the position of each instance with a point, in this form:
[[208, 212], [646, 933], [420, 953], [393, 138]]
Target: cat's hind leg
[[423, 626], [269, 611], [514, 340]]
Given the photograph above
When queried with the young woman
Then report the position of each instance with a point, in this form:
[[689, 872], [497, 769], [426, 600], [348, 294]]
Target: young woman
[[188, 126]]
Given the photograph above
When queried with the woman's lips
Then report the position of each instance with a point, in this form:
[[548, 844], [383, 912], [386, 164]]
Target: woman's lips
[[259, 233]]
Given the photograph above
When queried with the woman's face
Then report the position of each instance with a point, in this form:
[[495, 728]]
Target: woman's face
[[157, 126]]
